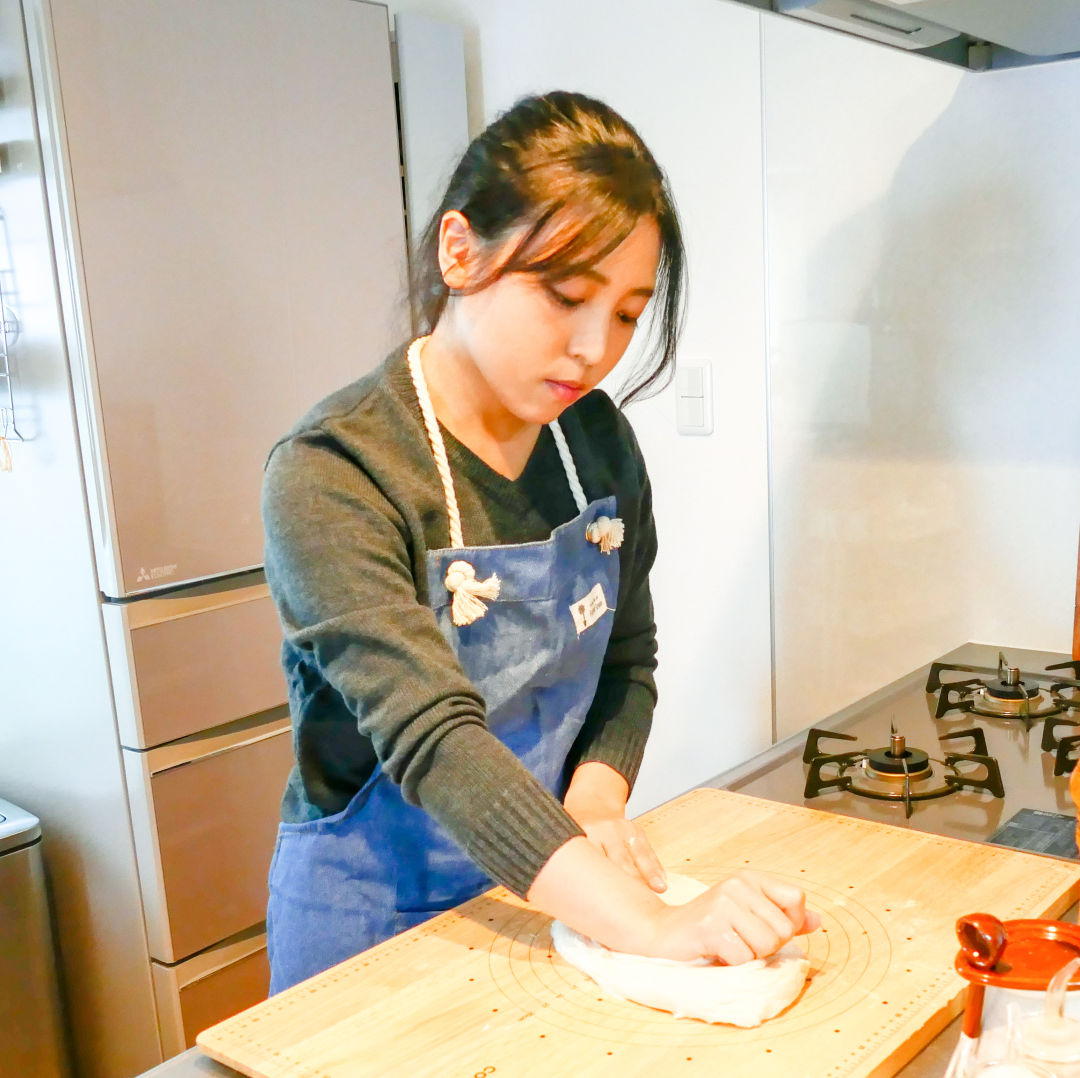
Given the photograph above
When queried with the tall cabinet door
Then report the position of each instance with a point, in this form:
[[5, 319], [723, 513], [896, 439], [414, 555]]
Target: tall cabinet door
[[232, 203]]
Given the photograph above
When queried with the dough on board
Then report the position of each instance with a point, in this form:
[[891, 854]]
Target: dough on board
[[743, 995]]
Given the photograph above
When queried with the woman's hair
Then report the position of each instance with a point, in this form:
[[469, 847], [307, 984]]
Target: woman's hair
[[571, 178]]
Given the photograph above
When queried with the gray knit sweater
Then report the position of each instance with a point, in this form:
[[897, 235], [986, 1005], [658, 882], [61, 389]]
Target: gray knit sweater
[[351, 505]]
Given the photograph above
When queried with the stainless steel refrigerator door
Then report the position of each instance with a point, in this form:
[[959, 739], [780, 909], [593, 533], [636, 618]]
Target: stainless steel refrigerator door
[[230, 212]]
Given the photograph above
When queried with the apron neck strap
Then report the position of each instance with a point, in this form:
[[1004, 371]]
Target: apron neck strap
[[442, 464], [580, 500]]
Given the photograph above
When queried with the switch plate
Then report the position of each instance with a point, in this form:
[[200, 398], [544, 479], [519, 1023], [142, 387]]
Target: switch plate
[[693, 399]]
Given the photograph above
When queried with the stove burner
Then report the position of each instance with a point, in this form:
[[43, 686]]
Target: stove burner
[[1011, 696], [897, 773], [898, 759], [998, 690]]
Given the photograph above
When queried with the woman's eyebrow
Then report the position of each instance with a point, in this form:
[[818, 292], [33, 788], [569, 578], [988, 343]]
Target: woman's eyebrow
[[596, 275]]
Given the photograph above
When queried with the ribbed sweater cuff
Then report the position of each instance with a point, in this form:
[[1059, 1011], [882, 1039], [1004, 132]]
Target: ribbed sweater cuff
[[506, 821], [620, 742]]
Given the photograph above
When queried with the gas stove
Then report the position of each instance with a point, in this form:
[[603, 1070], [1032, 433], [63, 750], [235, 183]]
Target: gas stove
[[977, 745]]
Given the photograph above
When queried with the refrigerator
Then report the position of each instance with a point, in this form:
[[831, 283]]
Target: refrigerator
[[202, 232]]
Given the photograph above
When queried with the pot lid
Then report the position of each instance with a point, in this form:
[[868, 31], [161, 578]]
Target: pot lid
[[1014, 954]]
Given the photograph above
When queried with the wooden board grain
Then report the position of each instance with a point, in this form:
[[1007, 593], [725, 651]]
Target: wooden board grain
[[479, 991]]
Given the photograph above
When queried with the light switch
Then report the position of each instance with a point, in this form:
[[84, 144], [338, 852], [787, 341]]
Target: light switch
[[693, 382], [691, 415], [693, 401]]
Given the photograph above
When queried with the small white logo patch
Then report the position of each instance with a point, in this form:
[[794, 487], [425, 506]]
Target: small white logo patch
[[590, 610]]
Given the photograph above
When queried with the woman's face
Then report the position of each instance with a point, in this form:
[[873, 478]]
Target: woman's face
[[539, 345]]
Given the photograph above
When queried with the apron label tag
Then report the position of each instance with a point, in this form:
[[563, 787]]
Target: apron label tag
[[589, 610]]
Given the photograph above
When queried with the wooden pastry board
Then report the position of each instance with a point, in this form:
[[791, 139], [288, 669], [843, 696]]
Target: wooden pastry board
[[479, 991]]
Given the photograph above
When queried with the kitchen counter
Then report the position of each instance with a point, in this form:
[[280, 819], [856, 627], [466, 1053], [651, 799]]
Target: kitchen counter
[[778, 774]]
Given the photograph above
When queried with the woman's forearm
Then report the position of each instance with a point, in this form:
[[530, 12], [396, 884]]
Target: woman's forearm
[[582, 887]]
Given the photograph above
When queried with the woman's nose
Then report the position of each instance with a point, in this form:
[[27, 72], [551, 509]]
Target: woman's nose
[[588, 340]]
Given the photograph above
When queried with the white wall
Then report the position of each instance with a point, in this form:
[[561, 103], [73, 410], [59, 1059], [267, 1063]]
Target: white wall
[[686, 74], [922, 240], [1020, 347], [924, 244]]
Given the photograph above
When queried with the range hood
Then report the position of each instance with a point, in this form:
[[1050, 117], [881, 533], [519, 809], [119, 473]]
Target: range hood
[[977, 34]]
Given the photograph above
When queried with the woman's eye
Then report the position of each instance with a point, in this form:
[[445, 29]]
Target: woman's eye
[[562, 299], [628, 319]]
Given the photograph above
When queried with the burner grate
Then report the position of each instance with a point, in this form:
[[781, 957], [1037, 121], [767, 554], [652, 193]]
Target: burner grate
[[897, 773], [1062, 747]]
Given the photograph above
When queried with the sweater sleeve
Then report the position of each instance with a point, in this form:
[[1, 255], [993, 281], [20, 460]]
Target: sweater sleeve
[[338, 565], [619, 719]]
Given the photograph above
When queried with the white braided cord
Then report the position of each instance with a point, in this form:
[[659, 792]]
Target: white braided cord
[[569, 467], [442, 464], [438, 448]]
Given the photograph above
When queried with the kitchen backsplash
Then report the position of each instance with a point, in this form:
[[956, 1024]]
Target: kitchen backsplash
[[925, 474]]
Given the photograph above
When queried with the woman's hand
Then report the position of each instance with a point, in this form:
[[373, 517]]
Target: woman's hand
[[596, 799], [748, 916]]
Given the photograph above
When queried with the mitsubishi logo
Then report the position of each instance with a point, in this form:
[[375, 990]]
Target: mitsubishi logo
[[156, 572]]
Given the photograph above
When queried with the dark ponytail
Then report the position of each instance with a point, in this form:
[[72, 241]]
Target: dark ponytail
[[572, 178]]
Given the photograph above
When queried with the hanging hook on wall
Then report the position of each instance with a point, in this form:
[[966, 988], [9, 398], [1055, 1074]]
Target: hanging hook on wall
[[9, 431], [6, 424]]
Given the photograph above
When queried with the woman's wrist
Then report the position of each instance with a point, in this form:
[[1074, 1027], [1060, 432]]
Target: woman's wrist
[[596, 790], [584, 889]]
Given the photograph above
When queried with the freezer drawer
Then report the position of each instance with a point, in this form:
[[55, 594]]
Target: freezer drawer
[[208, 987], [205, 812], [194, 659]]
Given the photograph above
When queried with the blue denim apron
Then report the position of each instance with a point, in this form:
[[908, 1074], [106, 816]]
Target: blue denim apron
[[343, 883]]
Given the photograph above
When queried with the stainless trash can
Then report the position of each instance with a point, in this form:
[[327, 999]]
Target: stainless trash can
[[31, 1032]]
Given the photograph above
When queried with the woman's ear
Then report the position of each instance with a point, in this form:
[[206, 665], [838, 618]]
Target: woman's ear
[[457, 249]]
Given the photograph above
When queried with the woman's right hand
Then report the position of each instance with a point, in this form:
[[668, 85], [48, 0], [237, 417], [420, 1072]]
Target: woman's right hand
[[748, 916]]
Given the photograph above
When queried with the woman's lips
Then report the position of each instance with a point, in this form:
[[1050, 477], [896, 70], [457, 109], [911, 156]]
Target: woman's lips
[[565, 391]]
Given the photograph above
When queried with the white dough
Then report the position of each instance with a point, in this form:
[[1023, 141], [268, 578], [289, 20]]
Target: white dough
[[743, 995]]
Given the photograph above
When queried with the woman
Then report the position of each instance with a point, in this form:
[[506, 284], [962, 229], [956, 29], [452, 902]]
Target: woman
[[459, 546]]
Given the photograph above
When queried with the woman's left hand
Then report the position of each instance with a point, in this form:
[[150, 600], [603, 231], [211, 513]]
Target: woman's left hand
[[596, 799]]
